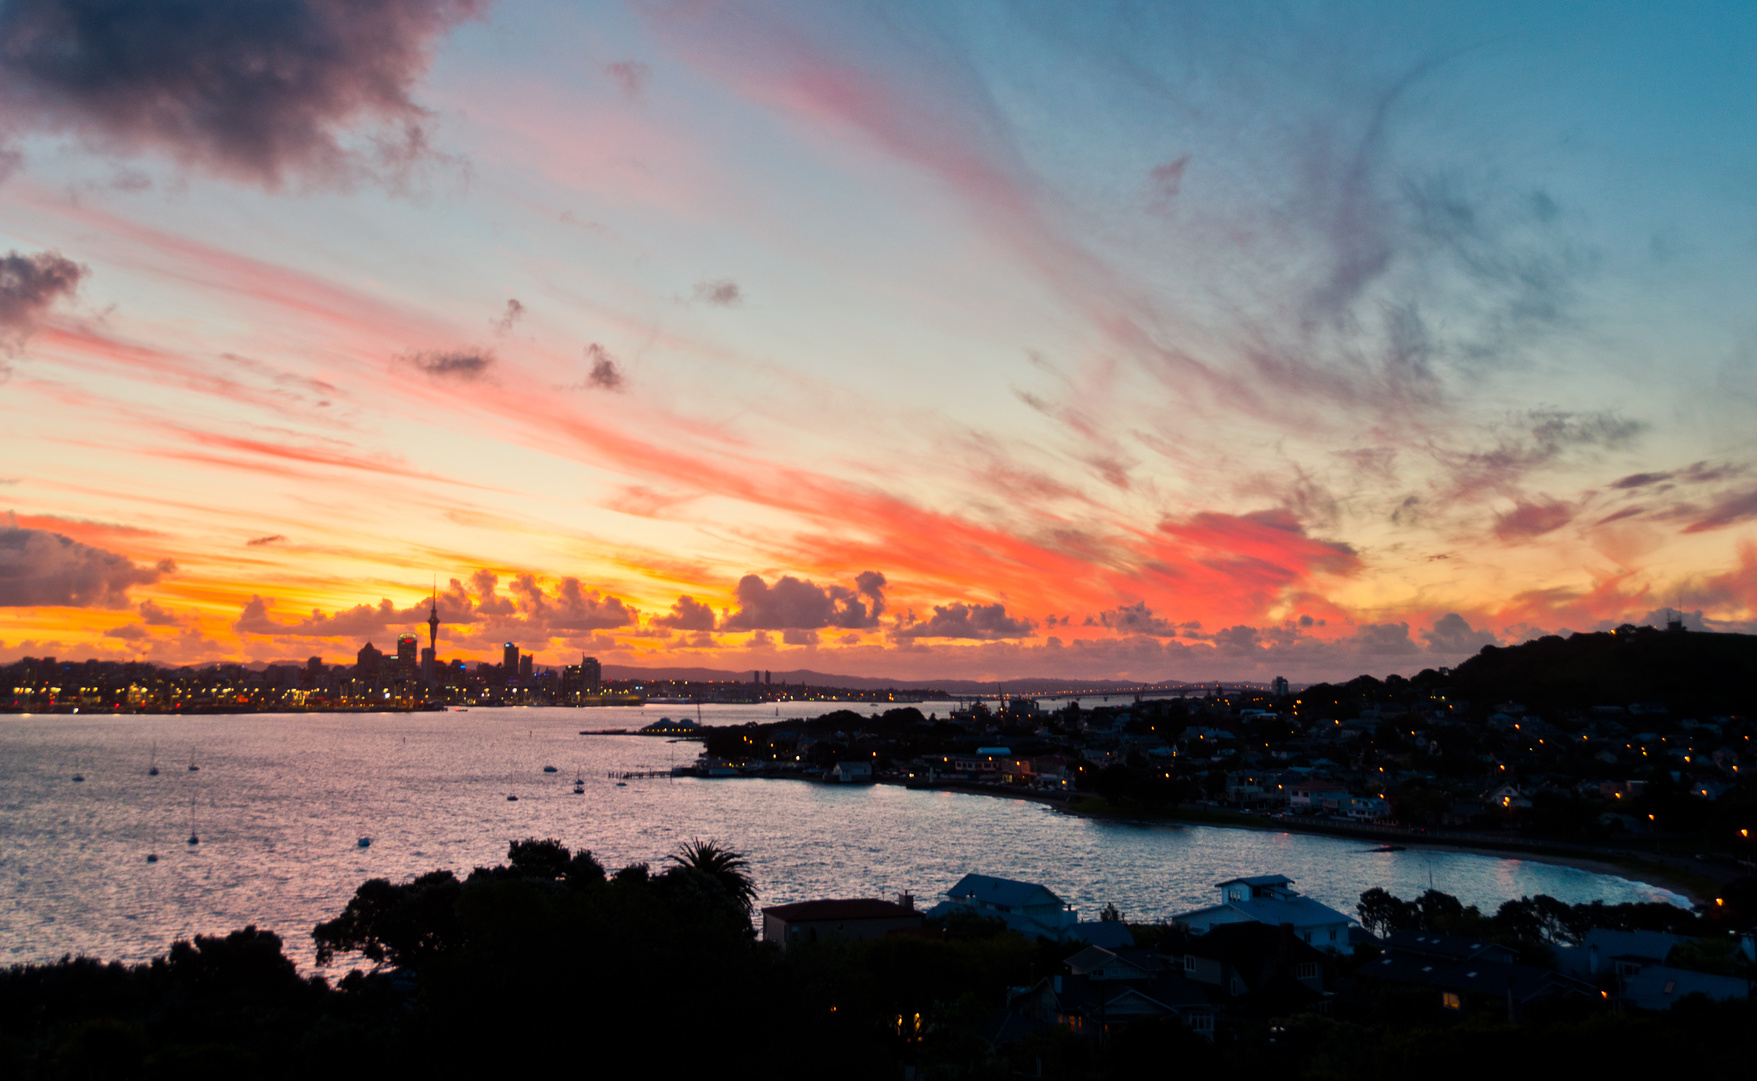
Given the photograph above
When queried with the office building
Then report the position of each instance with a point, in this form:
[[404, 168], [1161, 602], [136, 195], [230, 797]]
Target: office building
[[591, 674], [509, 663], [366, 662]]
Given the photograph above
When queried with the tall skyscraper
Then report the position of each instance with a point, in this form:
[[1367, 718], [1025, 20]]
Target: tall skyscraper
[[366, 662], [407, 647], [1278, 687], [591, 674], [525, 667], [509, 662]]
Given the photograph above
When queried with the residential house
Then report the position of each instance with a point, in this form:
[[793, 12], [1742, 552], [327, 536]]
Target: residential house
[[1025, 907], [1506, 797], [813, 921], [1659, 987], [1271, 899], [1104, 988], [1604, 952], [1452, 949], [1369, 808], [1317, 795], [851, 772], [1261, 969], [1469, 975]]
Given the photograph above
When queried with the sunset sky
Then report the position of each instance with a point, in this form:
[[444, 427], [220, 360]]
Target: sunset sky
[[1148, 341]]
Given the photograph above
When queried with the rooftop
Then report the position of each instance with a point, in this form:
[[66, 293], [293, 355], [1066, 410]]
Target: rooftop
[[855, 908]]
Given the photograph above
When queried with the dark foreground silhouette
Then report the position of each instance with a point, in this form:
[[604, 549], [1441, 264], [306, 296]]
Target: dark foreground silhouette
[[547, 964]]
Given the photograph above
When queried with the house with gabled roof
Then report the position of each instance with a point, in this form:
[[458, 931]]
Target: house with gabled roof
[[1659, 987], [1025, 907], [1103, 989], [1264, 970], [1450, 948], [1271, 899], [852, 918]]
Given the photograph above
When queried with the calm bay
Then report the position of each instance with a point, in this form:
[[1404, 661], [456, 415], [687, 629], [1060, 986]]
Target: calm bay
[[280, 802]]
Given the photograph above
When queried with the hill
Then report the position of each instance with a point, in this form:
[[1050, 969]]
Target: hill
[[1691, 673]]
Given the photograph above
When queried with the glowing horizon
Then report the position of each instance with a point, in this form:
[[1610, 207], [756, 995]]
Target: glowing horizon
[[1228, 342]]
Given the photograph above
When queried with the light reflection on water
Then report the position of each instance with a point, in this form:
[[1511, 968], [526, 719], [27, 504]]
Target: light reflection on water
[[280, 801]]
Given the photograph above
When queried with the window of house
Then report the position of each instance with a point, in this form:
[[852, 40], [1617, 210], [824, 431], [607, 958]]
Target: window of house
[[1189, 962], [1308, 970], [1451, 1001], [1238, 986], [1202, 1022]]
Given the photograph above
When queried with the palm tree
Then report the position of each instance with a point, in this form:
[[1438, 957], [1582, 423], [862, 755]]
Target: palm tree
[[720, 863]]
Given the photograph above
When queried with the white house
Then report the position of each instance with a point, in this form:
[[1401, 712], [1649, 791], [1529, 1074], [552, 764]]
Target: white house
[[1271, 899], [851, 772], [1026, 907]]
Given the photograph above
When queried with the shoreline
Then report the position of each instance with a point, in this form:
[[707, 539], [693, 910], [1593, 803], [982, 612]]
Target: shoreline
[[1698, 888]]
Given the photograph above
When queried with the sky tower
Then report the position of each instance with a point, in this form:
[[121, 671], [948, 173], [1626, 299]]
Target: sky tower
[[430, 655]]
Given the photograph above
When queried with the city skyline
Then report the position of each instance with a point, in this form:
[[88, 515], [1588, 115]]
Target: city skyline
[[1224, 342]]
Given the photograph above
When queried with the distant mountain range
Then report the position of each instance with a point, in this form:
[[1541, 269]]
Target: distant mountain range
[[953, 686]]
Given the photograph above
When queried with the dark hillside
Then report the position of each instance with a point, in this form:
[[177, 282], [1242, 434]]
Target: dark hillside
[[1692, 674]]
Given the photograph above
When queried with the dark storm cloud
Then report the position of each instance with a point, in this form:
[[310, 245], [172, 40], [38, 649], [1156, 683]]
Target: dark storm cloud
[[260, 91], [29, 286], [978, 621], [687, 614], [466, 365], [39, 568], [796, 604]]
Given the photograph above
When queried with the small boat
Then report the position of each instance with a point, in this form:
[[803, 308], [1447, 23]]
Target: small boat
[[622, 784], [152, 857], [193, 768], [193, 839], [78, 778], [512, 799], [152, 767], [579, 788], [364, 842], [550, 769], [1389, 848]]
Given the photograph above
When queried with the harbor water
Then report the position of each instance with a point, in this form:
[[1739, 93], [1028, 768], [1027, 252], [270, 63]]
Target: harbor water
[[280, 803]]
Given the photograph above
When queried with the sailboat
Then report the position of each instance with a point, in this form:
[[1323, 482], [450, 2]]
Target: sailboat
[[193, 839], [193, 768], [152, 768]]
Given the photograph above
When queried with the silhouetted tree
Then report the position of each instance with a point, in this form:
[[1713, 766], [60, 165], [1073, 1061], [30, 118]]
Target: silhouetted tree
[[721, 864]]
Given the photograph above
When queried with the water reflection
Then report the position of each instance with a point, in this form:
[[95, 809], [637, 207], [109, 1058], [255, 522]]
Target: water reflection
[[281, 801]]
